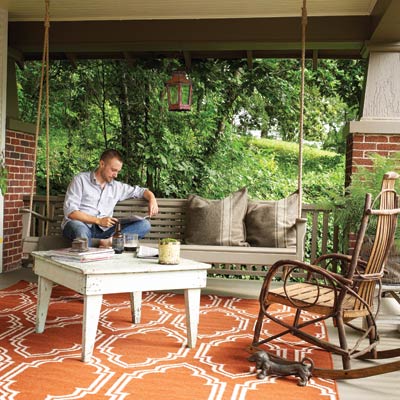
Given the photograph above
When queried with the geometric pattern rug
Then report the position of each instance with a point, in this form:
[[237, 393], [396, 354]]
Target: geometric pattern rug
[[149, 360]]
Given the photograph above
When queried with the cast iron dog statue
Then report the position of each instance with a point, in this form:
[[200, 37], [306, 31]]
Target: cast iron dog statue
[[267, 366]]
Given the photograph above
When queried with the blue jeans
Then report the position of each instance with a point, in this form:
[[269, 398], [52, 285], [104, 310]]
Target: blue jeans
[[77, 229]]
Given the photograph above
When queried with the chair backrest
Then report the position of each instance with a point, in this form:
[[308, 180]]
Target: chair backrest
[[383, 239]]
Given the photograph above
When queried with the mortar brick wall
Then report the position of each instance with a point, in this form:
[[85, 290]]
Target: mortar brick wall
[[19, 159], [359, 147]]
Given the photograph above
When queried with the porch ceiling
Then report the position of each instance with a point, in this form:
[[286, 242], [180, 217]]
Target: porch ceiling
[[200, 29], [78, 10]]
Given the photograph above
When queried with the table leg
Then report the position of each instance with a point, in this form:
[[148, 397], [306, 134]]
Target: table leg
[[192, 308], [44, 292], [136, 306], [91, 314]]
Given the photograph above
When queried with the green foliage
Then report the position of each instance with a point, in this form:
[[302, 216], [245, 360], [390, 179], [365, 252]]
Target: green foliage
[[3, 176], [269, 170], [99, 104], [365, 180], [168, 240]]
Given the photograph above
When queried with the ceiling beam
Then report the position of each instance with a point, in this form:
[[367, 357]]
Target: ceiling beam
[[187, 46], [17, 56], [346, 34], [386, 25]]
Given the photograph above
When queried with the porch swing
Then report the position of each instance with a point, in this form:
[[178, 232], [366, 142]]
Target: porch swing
[[171, 220]]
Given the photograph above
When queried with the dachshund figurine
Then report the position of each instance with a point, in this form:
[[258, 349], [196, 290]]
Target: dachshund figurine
[[266, 366]]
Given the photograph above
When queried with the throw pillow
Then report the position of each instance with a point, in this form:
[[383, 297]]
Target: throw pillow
[[216, 222], [272, 223]]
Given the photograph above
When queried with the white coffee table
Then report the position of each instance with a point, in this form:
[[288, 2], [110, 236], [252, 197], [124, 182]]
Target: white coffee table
[[123, 273]]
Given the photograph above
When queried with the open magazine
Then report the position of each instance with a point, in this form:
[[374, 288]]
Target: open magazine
[[132, 218], [147, 252]]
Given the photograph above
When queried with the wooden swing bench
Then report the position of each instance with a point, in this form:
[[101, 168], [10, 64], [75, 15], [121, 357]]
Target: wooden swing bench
[[169, 222]]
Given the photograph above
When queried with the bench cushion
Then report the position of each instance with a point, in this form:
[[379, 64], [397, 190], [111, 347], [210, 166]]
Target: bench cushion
[[272, 223], [216, 222]]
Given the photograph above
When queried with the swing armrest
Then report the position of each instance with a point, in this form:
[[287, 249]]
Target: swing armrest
[[37, 215]]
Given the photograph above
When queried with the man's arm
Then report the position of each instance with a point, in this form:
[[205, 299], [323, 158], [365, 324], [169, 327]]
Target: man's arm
[[107, 222], [153, 206]]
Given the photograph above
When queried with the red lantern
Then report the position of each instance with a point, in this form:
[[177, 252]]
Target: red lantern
[[179, 90]]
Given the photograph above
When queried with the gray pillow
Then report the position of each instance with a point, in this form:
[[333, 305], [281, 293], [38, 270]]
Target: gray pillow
[[272, 223], [216, 222]]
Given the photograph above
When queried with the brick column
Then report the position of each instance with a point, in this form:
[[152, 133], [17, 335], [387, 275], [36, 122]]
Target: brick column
[[378, 130], [361, 145], [19, 154]]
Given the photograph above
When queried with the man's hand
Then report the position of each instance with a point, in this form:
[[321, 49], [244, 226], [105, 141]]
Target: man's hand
[[153, 206], [107, 222]]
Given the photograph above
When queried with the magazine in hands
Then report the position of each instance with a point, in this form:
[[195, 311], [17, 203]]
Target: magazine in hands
[[91, 254], [132, 218]]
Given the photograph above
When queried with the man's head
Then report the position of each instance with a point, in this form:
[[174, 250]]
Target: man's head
[[110, 164]]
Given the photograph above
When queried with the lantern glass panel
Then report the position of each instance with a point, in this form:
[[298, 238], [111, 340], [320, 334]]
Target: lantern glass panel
[[173, 94], [185, 94]]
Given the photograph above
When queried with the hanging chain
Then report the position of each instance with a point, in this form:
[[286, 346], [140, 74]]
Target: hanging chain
[[47, 27], [45, 62], [303, 66]]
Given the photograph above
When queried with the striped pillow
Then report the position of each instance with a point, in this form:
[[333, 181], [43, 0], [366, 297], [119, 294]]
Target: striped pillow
[[272, 223], [216, 222]]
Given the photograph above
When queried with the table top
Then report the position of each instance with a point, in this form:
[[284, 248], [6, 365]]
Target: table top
[[120, 263]]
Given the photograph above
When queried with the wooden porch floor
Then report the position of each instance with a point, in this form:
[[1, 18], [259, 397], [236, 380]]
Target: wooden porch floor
[[383, 387]]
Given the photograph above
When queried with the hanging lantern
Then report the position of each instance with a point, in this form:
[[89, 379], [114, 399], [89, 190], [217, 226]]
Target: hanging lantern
[[179, 90]]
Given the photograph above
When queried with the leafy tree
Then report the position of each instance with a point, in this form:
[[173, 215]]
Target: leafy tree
[[97, 104]]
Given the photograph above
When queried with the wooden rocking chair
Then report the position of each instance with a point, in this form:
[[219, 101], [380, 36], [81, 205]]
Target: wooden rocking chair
[[343, 296]]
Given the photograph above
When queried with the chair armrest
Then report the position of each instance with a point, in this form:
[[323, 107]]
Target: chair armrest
[[310, 268], [332, 256], [361, 264]]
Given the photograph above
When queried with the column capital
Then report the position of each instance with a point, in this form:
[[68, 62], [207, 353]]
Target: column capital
[[375, 126], [372, 47]]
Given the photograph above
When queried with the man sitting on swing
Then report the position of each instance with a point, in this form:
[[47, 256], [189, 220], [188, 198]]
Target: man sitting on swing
[[90, 200]]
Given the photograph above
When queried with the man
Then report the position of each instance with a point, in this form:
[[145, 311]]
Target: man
[[90, 200]]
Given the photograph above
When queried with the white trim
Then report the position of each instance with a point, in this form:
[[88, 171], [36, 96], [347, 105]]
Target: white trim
[[375, 127], [90, 10], [3, 97]]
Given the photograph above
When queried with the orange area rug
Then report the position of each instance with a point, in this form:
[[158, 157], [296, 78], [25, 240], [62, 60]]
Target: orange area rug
[[149, 360]]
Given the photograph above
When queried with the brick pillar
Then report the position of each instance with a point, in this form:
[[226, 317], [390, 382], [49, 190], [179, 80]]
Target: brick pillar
[[19, 154], [378, 130], [361, 145]]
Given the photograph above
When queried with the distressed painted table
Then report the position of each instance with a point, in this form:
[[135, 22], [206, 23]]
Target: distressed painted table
[[123, 273]]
